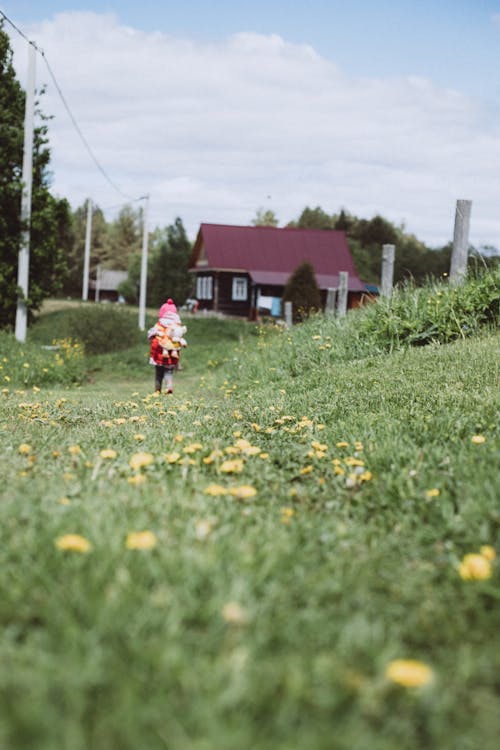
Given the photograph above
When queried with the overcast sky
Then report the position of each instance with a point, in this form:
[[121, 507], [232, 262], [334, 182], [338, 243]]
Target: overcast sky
[[216, 110]]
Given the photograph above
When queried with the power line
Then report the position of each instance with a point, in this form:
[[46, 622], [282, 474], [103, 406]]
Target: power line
[[68, 110]]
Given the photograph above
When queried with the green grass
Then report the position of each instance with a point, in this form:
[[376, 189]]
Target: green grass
[[336, 576]]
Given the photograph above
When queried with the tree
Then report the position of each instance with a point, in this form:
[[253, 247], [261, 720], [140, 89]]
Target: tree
[[50, 218], [124, 238], [265, 218], [73, 283], [314, 218], [303, 292]]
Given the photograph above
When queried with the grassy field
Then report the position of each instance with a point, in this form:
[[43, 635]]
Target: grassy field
[[253, 554]]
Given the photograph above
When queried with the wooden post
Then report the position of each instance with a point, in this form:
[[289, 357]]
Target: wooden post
[[342, 293], [458, 266], [216, 292], [387, 277], [331, 296], [288, 314]]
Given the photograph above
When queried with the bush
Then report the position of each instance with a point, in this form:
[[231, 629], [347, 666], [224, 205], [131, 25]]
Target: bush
[[128, 291], [303, 292], [100, 328], [29, 365]]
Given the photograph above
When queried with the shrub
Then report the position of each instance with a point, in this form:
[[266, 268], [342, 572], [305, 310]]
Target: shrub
[[101, 328], [303, 292]]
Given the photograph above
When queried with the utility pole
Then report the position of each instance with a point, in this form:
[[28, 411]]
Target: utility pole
[[144, 266], [388, 253], [23, 267], [86, 260]]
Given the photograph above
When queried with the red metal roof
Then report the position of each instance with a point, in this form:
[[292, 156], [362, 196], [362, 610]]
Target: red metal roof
[[270, 254]]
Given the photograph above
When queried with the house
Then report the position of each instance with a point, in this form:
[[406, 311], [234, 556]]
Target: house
[[243, 270], [105, 285]]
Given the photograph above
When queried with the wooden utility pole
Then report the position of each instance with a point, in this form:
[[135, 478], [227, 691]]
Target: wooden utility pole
[[288, 314], [342, 293], [144, 266], [387, 279], [331, 295], [460, 252], [86, 260], [23, 268]]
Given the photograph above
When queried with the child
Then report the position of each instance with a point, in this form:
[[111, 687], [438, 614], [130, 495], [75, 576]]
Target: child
[[166, 340]]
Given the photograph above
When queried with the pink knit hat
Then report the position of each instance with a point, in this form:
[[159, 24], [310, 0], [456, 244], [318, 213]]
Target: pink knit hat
[[168, 307]]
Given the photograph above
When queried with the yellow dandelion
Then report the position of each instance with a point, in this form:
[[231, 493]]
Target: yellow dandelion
[[216, 490], [136, 479], [64, 501], [234, 466], [139, 437], [172, 458], [338, 470], [263, 456], [26, 365], [366, 476], [24, 448], [108, 453], [434, 492], [319, 446], [488, 552], [245, 492], [68, 476], [141, 460], [73, 543], [234, 614], [74, 450], [178, 438], [141, 540], [409, 673], [306, 470], [358, 445], [478, 439], [342, 444], [192, 448], [474, 568], [287, 511]]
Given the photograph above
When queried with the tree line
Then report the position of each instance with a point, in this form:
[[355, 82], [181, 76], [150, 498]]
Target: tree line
[[57, 232]]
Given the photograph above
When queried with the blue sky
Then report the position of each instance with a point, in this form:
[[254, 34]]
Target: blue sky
[[388, 107]]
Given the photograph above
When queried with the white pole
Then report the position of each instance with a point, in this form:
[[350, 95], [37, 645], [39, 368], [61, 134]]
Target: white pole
[[460, 251], [342, 293], [27, 179], [86, 260], [387, 280], [144, 266]]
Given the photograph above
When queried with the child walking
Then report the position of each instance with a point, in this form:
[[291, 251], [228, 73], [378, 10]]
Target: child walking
[[166, 339]]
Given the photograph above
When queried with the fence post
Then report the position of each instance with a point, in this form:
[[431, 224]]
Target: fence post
[[387, 278], [331, 296], [288, 314], [459, 254], [342, 293]]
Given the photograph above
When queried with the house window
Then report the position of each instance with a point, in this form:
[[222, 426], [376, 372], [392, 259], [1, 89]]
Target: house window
[[240, 290], [204, 287]]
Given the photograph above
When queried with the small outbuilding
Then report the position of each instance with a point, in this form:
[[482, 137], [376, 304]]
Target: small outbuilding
[[105, 285], [243, 270]]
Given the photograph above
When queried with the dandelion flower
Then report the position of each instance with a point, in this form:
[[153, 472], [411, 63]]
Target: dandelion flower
[[172, 458], [245, 492], [474, 568], [263, 456], [488, 552], [24, 449], [478, 439], [342, 444], [74, 450], [234, 613], [141, 540], [306, 470], [409, 673], [234, 466], [140, 460], [73, 543], [64, 501], [434, 492], [139, 437], [216, 490], [108, 453]]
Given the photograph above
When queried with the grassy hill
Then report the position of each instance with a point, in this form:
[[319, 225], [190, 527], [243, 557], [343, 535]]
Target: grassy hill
[[255, 555]]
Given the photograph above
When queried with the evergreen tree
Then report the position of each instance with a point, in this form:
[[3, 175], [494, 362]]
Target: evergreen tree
[[50, 218], [168, 274], [303, 292]]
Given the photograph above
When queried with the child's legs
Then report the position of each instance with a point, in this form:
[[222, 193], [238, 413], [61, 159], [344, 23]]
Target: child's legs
[[169, 377], [159, 372]]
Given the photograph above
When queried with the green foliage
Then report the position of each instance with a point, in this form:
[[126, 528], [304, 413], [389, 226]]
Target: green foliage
[[436, 313], [335, 576], [303, 292], [128, 292], [168, 274], [50, 221], [99, 327], [30, 365], [265, 218]]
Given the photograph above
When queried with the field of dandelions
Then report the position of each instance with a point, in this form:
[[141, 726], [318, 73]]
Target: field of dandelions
[[295, 550]]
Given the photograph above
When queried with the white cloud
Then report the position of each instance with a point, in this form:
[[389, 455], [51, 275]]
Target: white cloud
[[211, 129]]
